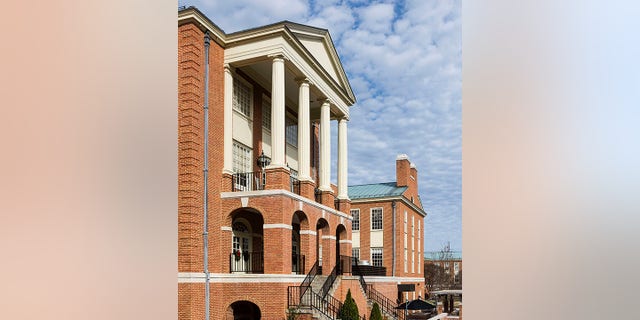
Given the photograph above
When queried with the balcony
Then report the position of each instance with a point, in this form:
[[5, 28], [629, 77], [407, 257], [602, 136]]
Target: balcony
[[246, 262], [257, 180]]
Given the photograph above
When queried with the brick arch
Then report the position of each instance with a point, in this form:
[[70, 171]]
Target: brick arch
[[243, 310], [301, 218]]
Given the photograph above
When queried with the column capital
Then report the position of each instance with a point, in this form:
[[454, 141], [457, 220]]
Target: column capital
[[343, 119], [325, 101], [277, 56], [303, 81], [228, 68]]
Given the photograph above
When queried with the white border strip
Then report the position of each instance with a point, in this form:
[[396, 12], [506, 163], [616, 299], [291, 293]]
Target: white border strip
[[345, 241], [277, 226], [311, 232], [276, 192], [329, 237], [392, 279], [198, 277], [225, 228]]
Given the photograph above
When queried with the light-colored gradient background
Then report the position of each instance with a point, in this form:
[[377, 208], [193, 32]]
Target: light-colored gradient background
[[550, 160]]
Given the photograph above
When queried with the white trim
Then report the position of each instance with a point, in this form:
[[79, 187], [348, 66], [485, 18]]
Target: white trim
[[277, 226], [311, 232], [225, 228], [346, 241], [329, 237], [280, 192], [392, 279], [198, 277]]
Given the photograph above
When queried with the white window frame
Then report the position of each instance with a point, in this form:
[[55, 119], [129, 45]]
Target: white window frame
[[266, 108], [356, 221], [380, 252], [291, 135], [381, 218], [236, 105], [355, 253]]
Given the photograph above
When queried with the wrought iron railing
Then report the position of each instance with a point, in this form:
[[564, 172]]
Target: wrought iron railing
[[297, 263], [249, 181], [294, 185], [246, 262], [306, 283], [329, 282], [386, 305]]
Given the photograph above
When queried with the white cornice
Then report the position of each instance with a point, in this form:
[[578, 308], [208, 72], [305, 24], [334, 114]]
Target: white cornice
[[397, 198], [280, 192]]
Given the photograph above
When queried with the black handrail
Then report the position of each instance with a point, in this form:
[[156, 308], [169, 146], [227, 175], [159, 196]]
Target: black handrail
[[329, 282], [386, 305], [306, 283]]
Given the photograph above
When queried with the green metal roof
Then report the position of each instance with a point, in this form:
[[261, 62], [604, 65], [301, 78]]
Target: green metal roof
[[434, 255], [375, 190]]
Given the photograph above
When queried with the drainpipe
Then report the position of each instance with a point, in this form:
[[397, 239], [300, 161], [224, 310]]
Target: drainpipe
[[205, 171], [393, 265]]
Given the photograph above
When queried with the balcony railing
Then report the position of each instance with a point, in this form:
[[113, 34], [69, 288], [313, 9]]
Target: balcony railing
[[249, 181], [246, 262], [294, 184], [297, 263]]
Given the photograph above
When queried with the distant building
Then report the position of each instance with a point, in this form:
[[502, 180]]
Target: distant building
[[451, 263], [388, 229]]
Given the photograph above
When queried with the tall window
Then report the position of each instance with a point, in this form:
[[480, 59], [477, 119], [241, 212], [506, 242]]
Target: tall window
[[405, 243], [376, 219], [376, 257], [413, 241], [241, 157], [355, 226], [355, 253], [242, 97], [291, 130], [266, 113]]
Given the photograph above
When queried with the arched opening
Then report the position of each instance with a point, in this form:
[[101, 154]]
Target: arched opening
[[322, 229], [299, 222], [343, 261], [243, 310], [247, 254]]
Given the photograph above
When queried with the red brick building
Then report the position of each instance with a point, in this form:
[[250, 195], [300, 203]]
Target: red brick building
[[260, 226], [388, 231]]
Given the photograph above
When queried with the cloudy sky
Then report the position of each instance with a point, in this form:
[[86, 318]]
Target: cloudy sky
[[404, 62]]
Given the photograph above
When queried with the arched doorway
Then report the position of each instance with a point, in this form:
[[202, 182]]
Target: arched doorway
[[243, 310], [322, 229], [343, 261], [299, 222], [246, 242]]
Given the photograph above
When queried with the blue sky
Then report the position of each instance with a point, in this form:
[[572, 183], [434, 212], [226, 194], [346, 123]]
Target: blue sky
[[404, 62]]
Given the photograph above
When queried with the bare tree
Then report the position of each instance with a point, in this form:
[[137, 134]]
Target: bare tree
[[438, 272]]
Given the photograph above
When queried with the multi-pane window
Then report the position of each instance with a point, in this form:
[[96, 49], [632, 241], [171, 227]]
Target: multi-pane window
[[376, 257], [456, 267], [405, 260], [291, 130], [355, 253], [266, 113], [413, 248], [241, 157], [242, 97], [376, 219], [446, 267], [355, 225]]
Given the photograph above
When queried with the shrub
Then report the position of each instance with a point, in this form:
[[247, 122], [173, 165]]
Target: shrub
[[375, 312], [349, 309]]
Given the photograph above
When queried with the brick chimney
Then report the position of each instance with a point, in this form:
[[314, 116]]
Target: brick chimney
[[403, 170]]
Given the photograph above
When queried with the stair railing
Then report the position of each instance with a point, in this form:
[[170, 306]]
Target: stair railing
[[329, 282], [306, 283]]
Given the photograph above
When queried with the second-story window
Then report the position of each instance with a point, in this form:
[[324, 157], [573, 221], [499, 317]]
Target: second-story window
[[355, 226], [242, 97], [376, 219], [291, 130], [266, 113], [241, 157]]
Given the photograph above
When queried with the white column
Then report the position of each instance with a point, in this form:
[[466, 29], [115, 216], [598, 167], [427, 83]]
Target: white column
[[304, 158], [277, 113], [228, 120], [342, 159], [325, 147]]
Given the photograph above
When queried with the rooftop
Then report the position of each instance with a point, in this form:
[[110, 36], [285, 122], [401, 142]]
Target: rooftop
[[375, 190], [435, 255]]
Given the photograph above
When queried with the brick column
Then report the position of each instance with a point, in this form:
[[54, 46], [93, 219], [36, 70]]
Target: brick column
[[328, 253], [308, 248], [307, 189], [277, 178], [277, 249]]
